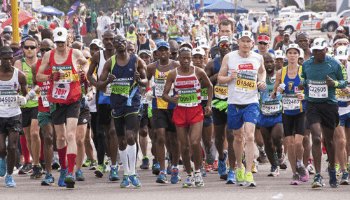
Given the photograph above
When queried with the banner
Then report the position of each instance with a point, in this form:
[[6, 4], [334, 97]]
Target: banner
[[301, 4], [73, 8]]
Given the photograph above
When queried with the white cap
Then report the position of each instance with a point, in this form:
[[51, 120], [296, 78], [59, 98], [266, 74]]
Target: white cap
[[196, 23], [246, 34], [319, 44], [60, 34], [293, 46], [342, 53], [203, 43], [97, 42], [199, 51], [263, 19], [279, 54], [141, 30]]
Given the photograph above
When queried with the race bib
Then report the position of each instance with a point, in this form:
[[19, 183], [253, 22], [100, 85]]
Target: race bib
[[159, 85], [68, 76], [290, 102], [270, 108], [221, 91], [44, 100], [188, 98], [121, 88], [8, 99], [60, 91], [318, 89], [246, 81], [342, 96], [204, 94], [108, 90]]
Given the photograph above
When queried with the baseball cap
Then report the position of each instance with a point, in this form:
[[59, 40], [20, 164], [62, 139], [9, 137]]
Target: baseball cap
[[60, 34], [186, 44], [224, 39], [263, 19], [141, 30], [97, 42], [319, 44], [5, 50], [7, 29], [286, 33], [198, 51], [342, 53], [340, 28], [196, 23], [203, 43], [264, 39], [280, 28], [279, 54], [146, 51], [246, 34], [293, 46], [163, 44]]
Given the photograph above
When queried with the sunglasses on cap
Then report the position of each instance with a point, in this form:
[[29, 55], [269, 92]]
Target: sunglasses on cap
[[30, 47], [263, 43]]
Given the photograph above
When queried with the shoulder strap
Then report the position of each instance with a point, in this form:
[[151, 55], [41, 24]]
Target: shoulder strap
[[300, 70], [284, 72], [113, 62]]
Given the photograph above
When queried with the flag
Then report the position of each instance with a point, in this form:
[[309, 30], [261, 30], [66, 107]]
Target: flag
[[73, 8]]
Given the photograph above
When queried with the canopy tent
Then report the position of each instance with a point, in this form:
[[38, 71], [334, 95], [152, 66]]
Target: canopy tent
[[49, 10], [205, 3], [224, 6], [24, 17]]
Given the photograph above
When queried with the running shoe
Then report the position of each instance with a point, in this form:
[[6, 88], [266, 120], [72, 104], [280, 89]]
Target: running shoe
[[135, 181], [303, 173], [249, 179], [231, 177], [274, 171], [100, 170], [63, 173], [69, 180], [203, 172], [198, 180], [125, 182], [55, 165], [283, 161], [333, 182], [162, 178], [318, 181], [240, 175], [168, 169], [262, 155], [48, 180], [255, 166], [26, 168], [215, 165], [344, 178], [208, 167], [9, 182], [189, 182], [175, 177], [93, 165], [87, 163], [113, 174], [295, 180], [2, 167], [37, 172], [79, 175], [145, 163], [156, 168], [337, 169], [222, 170], [310, 168]]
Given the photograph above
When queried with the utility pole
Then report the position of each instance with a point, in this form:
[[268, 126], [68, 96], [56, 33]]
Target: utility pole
[[15, 22]]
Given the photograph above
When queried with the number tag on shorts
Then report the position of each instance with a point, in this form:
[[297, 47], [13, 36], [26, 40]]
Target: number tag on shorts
[[342, 96], [60, 91], [290, 102], [270, 107], [318, 89]]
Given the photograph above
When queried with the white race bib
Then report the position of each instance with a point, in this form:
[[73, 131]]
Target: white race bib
[[290, 103], [8, 99], [318, 89], [270, 108], [60, 91]]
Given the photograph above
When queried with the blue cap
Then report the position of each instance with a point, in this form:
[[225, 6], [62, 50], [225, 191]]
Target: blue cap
[[163, 44], [180, 40]]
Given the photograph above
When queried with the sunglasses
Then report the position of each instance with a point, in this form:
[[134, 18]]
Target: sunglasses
[[224, 45], [47, 49], [142, 34], [262, 43], [29, 47], [59, 42]]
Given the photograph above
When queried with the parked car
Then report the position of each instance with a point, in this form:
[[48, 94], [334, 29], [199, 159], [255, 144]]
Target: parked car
[[306, 21], [330, 24]]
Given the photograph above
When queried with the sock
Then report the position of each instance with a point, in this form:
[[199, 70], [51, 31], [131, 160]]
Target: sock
[[71, 162], [174, 166], [131, 151], [62, 157], [300, 163], [42, 151], [197, 171], [114, 166], [124, 158], [24, 147]]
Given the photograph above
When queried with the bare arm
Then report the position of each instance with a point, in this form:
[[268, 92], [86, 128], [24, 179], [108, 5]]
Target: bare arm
[[206, 84], [169, 81], [277, 83], [18, 65], [104, 80], [80, 60], [94, 62], [223, 77], [141, 69], [262, 73], [209, 70], [40, 76], [23, 83]]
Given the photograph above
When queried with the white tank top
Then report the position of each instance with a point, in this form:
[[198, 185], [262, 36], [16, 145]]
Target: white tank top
[[101, 64], [8, 96], [243, 90]]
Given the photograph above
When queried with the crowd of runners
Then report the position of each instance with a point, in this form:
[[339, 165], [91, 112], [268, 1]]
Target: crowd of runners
[[206, 101]]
